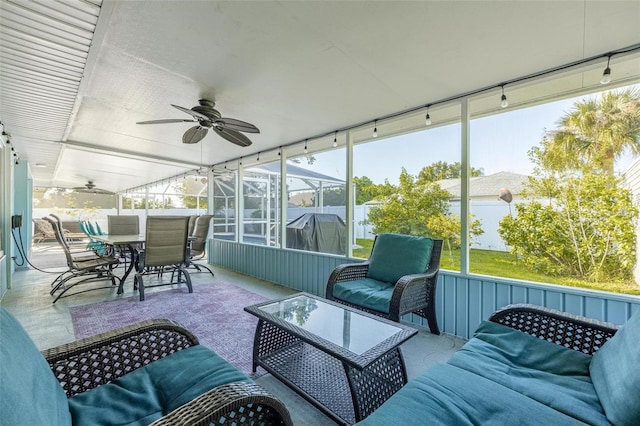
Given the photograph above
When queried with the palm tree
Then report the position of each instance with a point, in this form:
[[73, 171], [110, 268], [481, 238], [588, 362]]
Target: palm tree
[[597, 131]]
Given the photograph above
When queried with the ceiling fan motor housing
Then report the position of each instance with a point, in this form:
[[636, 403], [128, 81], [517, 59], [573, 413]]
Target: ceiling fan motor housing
[[206, 107]]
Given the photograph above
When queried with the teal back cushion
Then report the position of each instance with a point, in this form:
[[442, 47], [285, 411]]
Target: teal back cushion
[[29, 392], [615, 373], [396, 255]]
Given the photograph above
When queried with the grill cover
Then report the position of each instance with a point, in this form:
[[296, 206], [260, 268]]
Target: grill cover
[[321, 232]]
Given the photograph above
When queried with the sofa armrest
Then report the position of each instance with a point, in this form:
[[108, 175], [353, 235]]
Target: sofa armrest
[[88, 363], [575, 332], [244, 403]]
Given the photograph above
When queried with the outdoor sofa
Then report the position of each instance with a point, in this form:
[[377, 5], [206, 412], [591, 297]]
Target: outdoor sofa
[[528, 365], [153, 371]]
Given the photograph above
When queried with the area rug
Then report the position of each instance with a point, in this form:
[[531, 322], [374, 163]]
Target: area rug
[[213, 312]]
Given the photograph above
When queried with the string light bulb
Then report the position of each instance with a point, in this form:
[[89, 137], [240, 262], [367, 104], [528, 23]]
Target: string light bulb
[[305, 146], [335, 139], [606, 75], [503, 99], [427, 118], [375, 129]]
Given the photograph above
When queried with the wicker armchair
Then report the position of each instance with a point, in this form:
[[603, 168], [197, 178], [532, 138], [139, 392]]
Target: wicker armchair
[[88, 363], [414, 292]]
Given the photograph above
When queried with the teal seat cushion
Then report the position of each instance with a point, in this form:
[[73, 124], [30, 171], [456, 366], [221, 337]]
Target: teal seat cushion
[[501, 377], [30, 394], [155, 390], [447, 395], [615, 371], [397, 255], [550, 374], [367, 292]]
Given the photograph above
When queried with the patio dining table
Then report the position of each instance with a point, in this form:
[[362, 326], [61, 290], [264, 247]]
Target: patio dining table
[[130, 242]]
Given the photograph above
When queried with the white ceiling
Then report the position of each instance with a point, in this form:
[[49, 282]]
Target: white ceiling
[[76, 76]]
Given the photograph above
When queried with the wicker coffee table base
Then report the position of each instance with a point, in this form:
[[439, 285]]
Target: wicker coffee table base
[[342, 392]]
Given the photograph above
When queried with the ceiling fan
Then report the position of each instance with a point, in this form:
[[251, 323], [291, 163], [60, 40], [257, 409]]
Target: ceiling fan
[[90, 188], [207, 118]]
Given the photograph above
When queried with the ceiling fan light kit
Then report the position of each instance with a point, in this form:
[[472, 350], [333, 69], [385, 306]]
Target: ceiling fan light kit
[[207, 118]]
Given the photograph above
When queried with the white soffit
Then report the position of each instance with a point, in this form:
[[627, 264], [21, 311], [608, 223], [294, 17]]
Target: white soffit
[[44, 47]]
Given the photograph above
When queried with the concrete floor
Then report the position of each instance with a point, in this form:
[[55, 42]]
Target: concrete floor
[[50, 324]]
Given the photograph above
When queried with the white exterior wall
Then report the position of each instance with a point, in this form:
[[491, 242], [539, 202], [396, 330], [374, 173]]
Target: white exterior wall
[[489, 213]]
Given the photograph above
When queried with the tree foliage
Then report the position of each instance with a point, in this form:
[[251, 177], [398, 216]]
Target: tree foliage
[[187, 187], [419, 208], [333, 197], [594, 133], [366, 190], [442, 170], [587, 230], [585, 227]]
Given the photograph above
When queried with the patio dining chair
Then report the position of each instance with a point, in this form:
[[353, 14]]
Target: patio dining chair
[[72, 243], [86, 266], [165, 247], [399, 277], [198, 243], [192, 223], [97, 246], [123, 224]]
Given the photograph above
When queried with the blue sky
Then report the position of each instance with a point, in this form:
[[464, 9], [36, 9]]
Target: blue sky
[[498, 143]]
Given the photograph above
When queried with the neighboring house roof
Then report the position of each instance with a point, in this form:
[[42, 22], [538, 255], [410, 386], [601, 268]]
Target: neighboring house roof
[[301, 198], [485, 186]]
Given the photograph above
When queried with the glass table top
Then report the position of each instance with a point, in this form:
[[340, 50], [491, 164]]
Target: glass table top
[[345, 328]]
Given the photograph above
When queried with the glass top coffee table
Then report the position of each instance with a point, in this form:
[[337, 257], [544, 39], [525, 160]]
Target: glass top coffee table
[[344, 361]]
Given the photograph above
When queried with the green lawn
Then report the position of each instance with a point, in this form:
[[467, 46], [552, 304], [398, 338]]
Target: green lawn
[[503, 264]]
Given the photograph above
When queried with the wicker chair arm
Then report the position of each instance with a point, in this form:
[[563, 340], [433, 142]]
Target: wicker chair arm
[[346, 272], [575, 332], [87, 363], [238, 403], [410, 291]]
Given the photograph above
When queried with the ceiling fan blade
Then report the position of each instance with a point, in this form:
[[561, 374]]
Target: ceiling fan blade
[[198, 116], [233, 136], [194, 134], [168, 120], [237, 125]]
